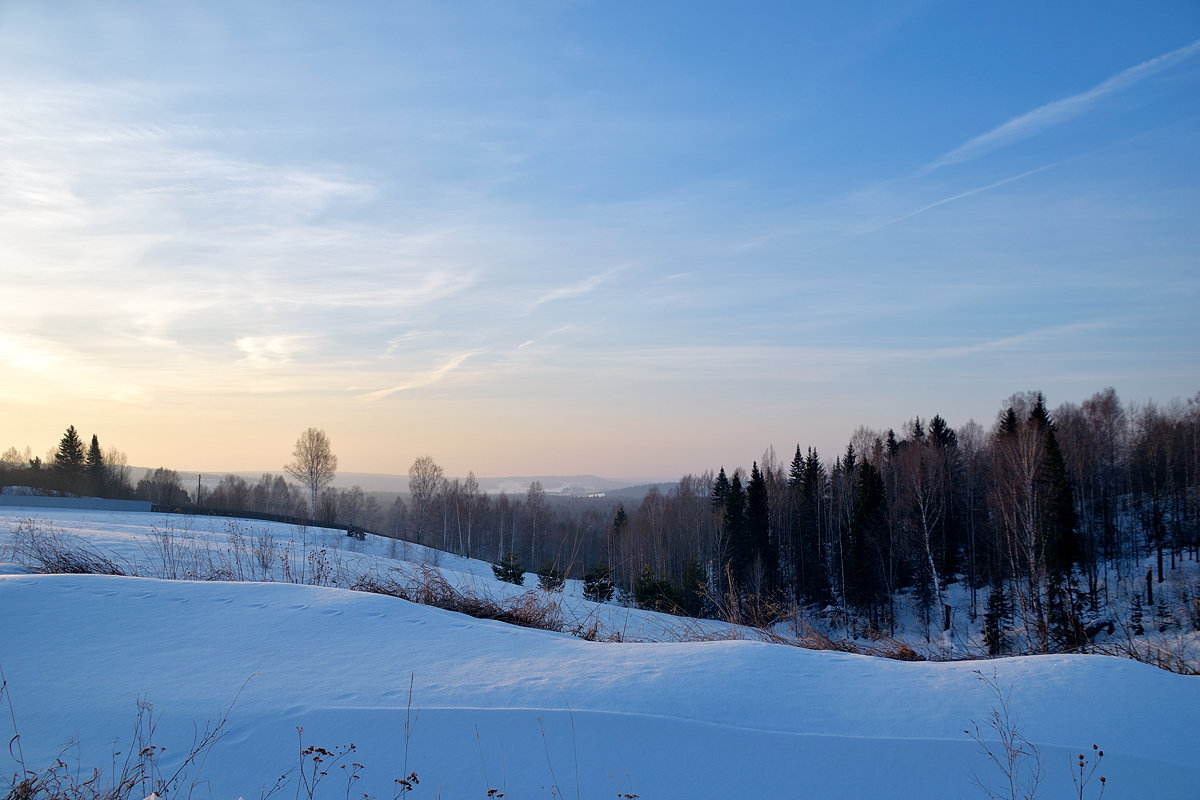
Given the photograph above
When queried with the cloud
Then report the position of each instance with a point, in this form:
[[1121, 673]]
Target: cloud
[[585, 286], [960, 196], [1060, 111], [426, 379], [264, 351]]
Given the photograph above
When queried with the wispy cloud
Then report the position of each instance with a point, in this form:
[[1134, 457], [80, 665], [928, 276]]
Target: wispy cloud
[[264, 351], [960, 196], [585, 286], [1020, 341], [1060, 111], [424, 379]]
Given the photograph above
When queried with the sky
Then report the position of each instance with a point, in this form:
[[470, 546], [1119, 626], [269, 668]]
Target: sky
[[631, 239]]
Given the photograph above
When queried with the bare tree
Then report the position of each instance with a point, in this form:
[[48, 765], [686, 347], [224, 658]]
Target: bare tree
[[424, 479], [313, 463]]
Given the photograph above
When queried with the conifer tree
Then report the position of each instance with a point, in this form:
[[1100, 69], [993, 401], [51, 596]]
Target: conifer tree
[[616, 533], [865, 586], [510, 569], [720, 490], [550, 577], [816, 580], [597, 583], [737, 542], [995, 619], [761, 551], [69, 460], [693, 588], [95, 467]]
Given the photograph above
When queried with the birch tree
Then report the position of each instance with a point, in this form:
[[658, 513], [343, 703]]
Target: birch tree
[[313, 464]]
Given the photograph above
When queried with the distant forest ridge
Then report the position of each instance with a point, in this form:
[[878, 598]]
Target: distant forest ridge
[[1040, 516]]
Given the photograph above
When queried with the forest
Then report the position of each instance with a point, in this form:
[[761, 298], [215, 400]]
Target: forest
[[1036, 518]]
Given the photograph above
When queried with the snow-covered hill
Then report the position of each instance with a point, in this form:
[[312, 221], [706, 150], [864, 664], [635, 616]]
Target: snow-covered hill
[[531, 713]]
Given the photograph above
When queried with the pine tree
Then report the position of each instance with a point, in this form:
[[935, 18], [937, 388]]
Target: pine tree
[[657, 594], [1136, 615], [95, 467], [995, 619], [812, 578], [510, 569], [941, 434], [69, 460], [740, 552], [1059, 520], [597, 583], [1009, 427], [550, 577], [761, 549], [720, 490], [616, 533], [1061, 542], [865, 586], [693, 588]]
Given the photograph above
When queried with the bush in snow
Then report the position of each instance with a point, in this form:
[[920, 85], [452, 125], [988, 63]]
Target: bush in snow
[[510, 569], [597, 583], [550, 577]]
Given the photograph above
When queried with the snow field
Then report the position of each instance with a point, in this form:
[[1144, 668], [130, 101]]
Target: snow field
[[525, 711]]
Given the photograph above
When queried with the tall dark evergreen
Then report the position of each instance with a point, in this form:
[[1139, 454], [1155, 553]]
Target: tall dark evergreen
[[737, 542], [808, 485], [95, 467], [1063, 547], [69, 460], [1056, 502], [720, 490], [616, 533], [892, 445], [1009, 425], [865, 585], [996, 619], [763, 561]]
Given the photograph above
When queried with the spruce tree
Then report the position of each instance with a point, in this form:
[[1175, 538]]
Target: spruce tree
[[597, 583], [740, 552], [811, 578], [1059, 520], [995, 619], [95, 467], [69, 460], [865, 586], [761, 549], [510, 569], [693, 588], [1136, 615], [550, 577], [616, 533], [720, 490], [1009, 426]]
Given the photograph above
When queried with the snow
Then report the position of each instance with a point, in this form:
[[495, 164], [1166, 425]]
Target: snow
[[529, 712]]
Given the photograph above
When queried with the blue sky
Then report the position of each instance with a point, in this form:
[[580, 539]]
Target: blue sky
[[631, 239]]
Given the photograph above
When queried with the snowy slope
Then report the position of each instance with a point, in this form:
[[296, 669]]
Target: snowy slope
[[523, 710]]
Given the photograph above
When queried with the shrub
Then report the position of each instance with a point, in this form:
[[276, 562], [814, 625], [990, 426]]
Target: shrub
[[510, 569], [52, 551], [550, 577], [597, 583]]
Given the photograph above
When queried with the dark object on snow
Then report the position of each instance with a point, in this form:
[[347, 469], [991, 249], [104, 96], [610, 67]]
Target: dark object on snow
[[356, 533], [1093, 628]]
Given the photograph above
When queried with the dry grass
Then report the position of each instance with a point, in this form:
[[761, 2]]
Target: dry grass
[[53, 551], [426, 585]]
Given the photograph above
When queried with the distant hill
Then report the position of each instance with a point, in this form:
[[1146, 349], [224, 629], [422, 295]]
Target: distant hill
[[558, 485]]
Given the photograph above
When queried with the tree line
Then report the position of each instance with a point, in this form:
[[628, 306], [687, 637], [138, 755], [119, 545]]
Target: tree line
[[1035, 517]]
